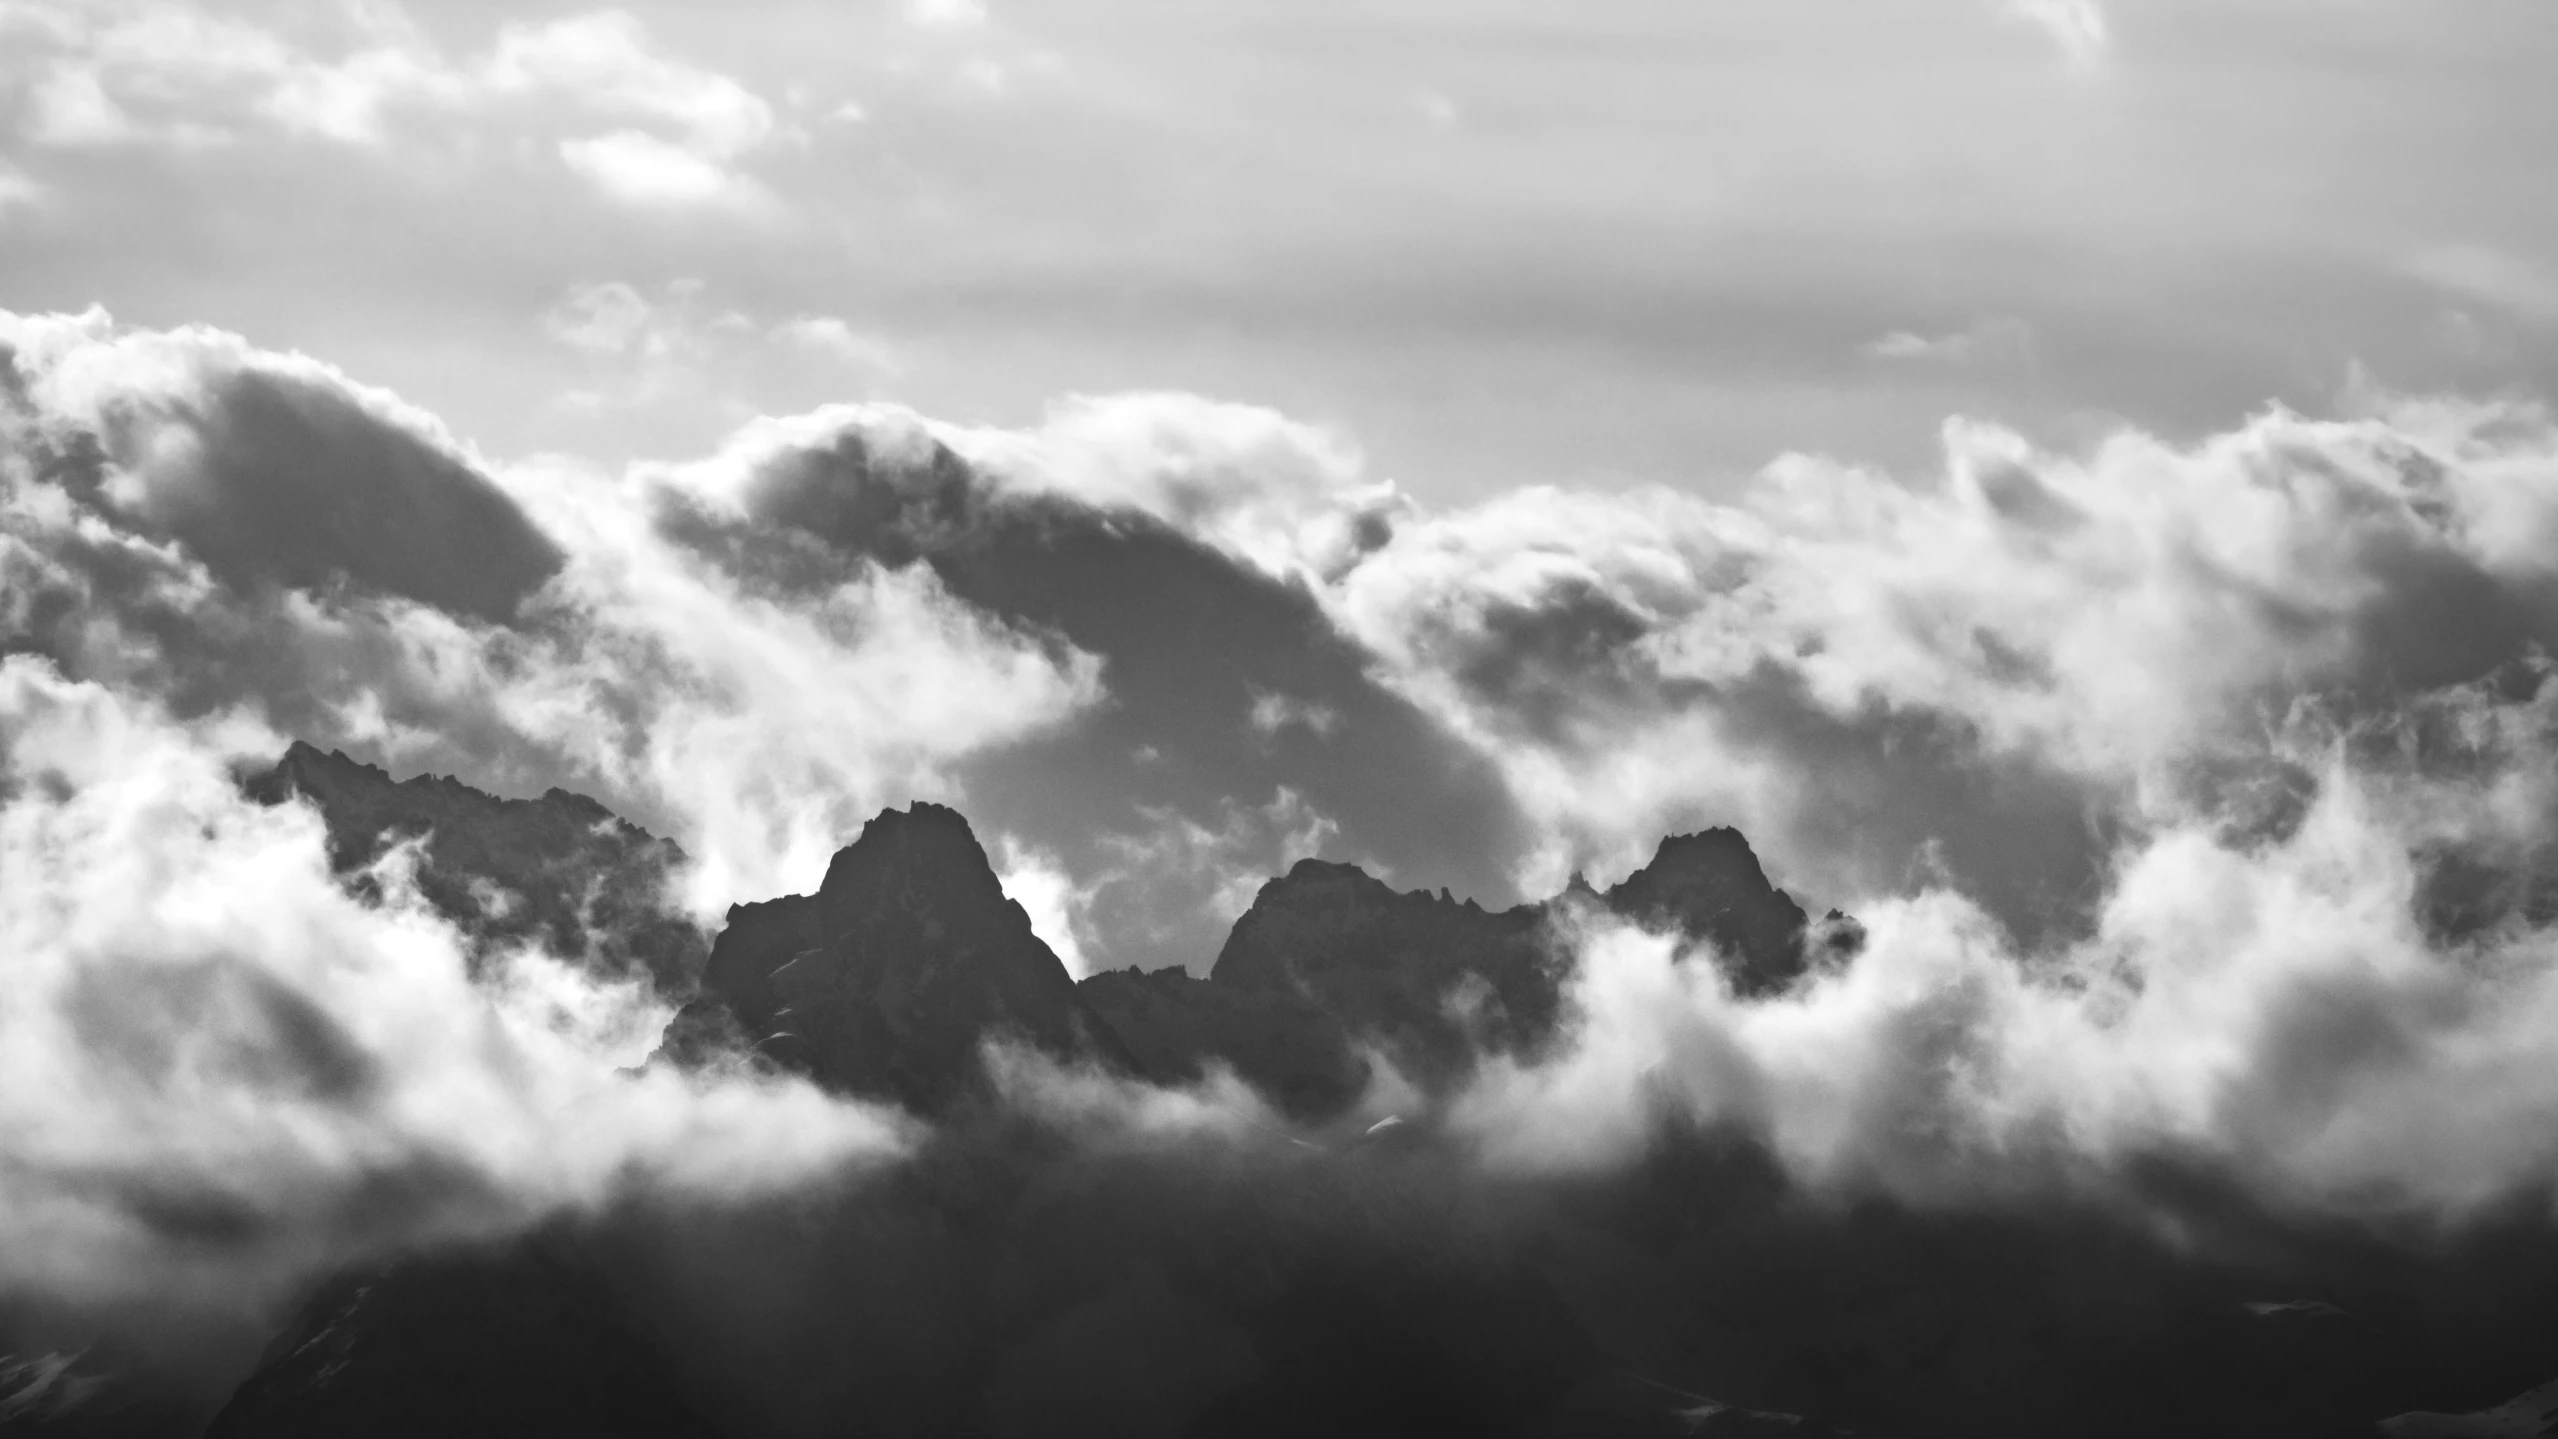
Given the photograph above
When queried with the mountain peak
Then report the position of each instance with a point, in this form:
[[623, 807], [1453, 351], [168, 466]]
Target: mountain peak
[[884, 981], [1710, 885], [923, 838]]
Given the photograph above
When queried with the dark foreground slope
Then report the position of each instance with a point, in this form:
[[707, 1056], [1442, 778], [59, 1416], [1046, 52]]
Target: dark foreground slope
[[519, 1339]]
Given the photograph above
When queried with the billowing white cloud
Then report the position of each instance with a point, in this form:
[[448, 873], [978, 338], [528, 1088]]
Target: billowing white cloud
[[2234, 704], [2125, 622], [1056, 904], [1286, 497], [525, 625], [2274, 1009], [225, 1074]]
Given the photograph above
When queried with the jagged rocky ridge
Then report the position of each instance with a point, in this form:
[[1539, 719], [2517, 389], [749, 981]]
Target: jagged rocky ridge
[[560, 871], [885, 981]]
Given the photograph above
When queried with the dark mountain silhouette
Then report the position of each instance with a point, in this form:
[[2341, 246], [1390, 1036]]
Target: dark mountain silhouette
[[1330, 962], [560, 871], [886, 981]]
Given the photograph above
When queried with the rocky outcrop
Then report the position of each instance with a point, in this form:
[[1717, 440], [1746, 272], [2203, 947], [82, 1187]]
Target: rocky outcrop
[[886, 981], [561, 871], [1709, 886], [1331, 964]]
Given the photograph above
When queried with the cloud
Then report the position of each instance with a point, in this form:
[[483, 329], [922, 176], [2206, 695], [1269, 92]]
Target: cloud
[[224, 528], [18, 191], [650, 348], [1272, 713], [1057, 906], [946, 14], [2275, 1009], [637, 168], [277, 470], [2011, 709], [2110, 632], [606, 60], [172, 73], [1171, 539], [1996, 341], [832, 337], [2077, 27], [227, 1076], [2492, 277]]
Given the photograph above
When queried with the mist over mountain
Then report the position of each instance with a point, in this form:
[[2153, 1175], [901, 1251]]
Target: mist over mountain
[[1131, 925], [1099, 1238]]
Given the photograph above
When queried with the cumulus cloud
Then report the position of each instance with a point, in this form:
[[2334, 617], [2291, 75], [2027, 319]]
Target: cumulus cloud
[[1286, 497], [2057, 725], [190, 517], [2277, 1008], [1870, 673], [225, 1074], [175, 73]]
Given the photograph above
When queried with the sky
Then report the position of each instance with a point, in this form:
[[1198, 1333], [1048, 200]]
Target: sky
[[2074, 483], [1631, 241]]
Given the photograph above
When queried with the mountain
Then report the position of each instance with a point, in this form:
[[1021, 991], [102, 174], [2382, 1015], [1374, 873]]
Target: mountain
[[886, 980], [1007, 1280], [522, 1339], [560, 871], [1330, 962]]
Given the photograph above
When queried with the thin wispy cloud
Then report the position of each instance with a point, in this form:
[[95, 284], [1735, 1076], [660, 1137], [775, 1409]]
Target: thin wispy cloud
[[2078, 28]]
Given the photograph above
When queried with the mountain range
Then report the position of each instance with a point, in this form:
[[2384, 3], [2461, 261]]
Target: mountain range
[[1005, 1281]]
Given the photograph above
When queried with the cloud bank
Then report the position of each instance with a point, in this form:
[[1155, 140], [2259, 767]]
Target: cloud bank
[[226, 1075], [2196, 801], [2191, 794]]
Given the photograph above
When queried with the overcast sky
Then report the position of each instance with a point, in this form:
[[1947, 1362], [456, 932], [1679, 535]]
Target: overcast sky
[[1491, 242]]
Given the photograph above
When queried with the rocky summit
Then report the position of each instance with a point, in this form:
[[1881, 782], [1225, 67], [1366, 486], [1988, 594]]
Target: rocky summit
[[886, 981]]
